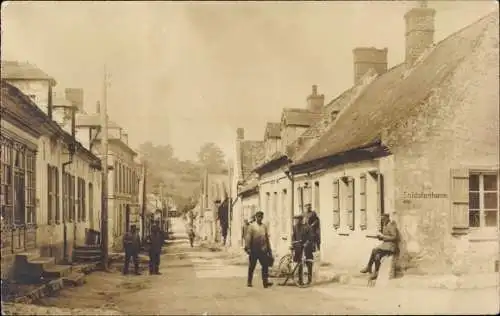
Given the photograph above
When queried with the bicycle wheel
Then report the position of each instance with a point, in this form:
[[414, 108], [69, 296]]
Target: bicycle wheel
[[285, 265], [301, 282]]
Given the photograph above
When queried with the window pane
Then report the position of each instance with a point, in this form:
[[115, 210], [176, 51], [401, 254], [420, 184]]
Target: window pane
[[474, 182], [490, 200], [474, 200], [474, 220], [491, 218], [490, 182]]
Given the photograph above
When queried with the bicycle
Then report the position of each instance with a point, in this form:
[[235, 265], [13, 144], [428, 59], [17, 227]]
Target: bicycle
[[286, 265]]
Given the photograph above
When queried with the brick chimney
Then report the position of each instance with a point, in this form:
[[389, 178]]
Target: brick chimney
[[419, 31], [366, 58], [125, 138], [315, 101], [240, 133], [75, 96]]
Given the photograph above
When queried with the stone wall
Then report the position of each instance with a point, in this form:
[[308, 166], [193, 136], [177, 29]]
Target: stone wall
[[457, 128]]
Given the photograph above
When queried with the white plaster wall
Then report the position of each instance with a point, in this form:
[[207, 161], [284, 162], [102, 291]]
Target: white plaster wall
[[272, 182], [345, 248], [38, 88]]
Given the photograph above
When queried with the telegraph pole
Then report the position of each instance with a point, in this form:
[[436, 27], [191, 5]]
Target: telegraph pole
[[164, 209], [230, 203], [104, 145]]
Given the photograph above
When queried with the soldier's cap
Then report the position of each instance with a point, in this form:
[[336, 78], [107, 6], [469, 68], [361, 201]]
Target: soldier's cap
[[386, 215], [259, 213]]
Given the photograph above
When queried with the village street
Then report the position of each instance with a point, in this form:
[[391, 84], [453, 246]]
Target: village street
[[199, 281]]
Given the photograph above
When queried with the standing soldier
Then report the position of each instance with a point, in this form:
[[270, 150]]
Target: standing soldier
[[155, 242], [132, 246], [302, 241], [258, 248]]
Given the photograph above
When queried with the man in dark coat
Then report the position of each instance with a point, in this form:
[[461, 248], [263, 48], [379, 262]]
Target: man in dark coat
[[389, 238], [132, 246], [258, 247], [314, 224], [302, 240], [155, 243]]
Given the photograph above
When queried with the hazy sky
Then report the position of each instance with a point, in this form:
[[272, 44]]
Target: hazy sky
[[186, 73]]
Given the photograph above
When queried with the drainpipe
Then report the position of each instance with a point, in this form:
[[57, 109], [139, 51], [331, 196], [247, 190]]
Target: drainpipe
[[49, 101], [289, 175], [71, 149]]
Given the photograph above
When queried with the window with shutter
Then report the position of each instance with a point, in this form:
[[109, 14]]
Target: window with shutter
[[362, 198], [336, 204], [350, 204], [460, 201]]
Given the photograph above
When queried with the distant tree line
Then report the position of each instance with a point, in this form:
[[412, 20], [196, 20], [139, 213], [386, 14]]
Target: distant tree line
[[180, 178]]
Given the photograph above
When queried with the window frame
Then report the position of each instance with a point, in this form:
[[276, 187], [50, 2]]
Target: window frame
[[481, 209]]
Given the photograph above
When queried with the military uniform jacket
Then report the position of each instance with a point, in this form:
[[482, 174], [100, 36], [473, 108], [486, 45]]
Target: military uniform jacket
[[390, 237]]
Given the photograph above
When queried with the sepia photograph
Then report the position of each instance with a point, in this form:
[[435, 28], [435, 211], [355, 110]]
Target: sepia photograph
[[250, 157]]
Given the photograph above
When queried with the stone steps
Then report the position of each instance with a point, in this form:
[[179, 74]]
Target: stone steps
[[87, 254], [56, 271], [74, 279]]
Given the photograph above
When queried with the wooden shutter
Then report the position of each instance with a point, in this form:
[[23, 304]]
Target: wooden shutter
[[460, 201], [363, 197], [317, 199], [336, 204], [300, 197], [350, 203], [57, 195], [380, 200], [50, 194]]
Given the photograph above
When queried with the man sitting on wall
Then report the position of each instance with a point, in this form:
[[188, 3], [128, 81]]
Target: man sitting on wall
[[390, 238]]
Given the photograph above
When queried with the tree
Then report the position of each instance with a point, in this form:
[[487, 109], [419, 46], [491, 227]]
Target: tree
[[211, 158]]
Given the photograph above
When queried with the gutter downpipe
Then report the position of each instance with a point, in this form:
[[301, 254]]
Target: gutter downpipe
[[71, 149], [289, 175]]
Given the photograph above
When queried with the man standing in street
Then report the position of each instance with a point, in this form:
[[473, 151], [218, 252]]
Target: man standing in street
[[258, 247], [155, 242], [132, 246]]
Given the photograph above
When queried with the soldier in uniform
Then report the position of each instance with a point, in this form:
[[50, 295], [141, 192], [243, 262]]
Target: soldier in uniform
[[155, 242], [389, 238], [132, 246], [258, 248], [302, 240]]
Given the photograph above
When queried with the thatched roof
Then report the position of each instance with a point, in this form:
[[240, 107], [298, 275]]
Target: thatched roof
[[397, 94]]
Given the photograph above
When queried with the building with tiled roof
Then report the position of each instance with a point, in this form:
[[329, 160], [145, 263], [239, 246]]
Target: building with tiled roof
[[56, 169], [249, 153], [419, 143]]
